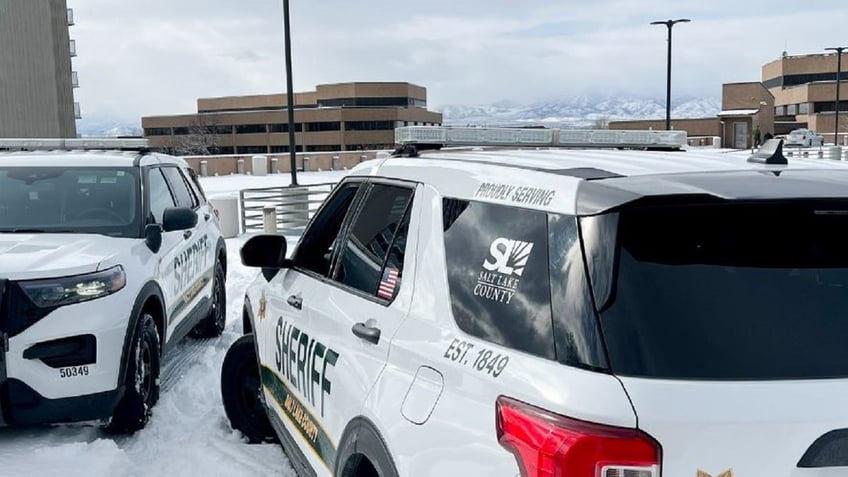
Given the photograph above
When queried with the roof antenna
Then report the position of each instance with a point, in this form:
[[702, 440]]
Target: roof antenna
[[770, 153]]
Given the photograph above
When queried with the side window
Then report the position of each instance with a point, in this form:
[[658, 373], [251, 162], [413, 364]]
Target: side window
[[194, 182], [160, 195], [319, 243], [372, 258], [497, 264], [184, 196]]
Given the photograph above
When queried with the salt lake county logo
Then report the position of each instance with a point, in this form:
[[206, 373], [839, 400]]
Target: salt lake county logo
[[503, 269], [726, 473]]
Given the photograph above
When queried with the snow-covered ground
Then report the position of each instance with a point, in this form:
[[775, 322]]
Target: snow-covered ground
[[189, 434]]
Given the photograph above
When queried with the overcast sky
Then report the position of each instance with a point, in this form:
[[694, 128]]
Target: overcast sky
[[151, 57]]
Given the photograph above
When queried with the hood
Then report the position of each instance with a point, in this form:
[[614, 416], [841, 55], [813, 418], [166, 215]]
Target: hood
[[33, 256]]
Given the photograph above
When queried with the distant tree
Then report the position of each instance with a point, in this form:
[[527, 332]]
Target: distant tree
[[202, 138], [601, 122]]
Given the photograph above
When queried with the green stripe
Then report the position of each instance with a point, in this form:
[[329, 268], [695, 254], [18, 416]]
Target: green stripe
[[303, 420], [184, 300]]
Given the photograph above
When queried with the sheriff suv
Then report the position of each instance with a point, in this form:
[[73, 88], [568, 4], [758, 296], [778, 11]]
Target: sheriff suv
[[107, 259], [594, 304]]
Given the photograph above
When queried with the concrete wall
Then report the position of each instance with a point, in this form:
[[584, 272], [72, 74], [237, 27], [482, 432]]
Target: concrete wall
[[36, 97], [693, 127], [225, 165]]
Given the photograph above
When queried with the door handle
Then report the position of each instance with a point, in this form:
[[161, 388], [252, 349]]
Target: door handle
[[368, 333], [206, 216], [187, 234], [295, 302]]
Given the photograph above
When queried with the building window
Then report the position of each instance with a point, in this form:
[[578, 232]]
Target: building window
[[220, 129], [157, 131], [282, 149], [252, 149], [779, 110], [369, 125], [324, 148], [324, 126], [379, 102], [284, 127], [791, 110], [225, 150], [804, 108], [251, 129]]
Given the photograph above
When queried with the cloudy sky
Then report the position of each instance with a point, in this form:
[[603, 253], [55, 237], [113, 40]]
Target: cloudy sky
[[151, 57]]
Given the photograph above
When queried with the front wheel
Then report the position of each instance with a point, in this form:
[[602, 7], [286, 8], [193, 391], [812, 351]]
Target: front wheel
[[141, 383], [241, 390], [213, 324]]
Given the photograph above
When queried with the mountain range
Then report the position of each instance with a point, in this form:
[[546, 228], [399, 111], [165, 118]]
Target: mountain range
[[576, 112]]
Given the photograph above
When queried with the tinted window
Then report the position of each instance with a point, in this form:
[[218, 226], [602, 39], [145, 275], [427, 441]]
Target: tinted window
[[731, 291], [578, 338], [76, 199], [195, 186], [497, 263], [184, 196], [160, 195], [319, 243], [374, 233]]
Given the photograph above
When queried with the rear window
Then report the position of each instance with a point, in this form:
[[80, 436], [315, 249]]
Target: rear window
[[753, 291], [517, 278]]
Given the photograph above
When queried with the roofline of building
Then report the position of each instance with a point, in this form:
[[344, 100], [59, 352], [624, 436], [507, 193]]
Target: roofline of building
[[313, 91]]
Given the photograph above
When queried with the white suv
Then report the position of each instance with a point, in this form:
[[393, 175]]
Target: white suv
[[584, 313], [804, 138], [106, 260]]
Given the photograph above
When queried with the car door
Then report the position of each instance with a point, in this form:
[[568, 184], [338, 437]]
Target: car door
[[343, 299], [190, 278]]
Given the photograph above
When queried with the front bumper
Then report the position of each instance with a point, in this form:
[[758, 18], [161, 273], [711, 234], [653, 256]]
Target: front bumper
[[23, 406], [36, 385]]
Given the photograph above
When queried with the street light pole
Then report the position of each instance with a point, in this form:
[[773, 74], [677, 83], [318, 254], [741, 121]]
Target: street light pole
[[838, 50], [669, 24], [290, 93]]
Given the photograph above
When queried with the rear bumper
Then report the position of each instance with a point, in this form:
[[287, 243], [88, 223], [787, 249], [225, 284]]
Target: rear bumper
[[22, 405]]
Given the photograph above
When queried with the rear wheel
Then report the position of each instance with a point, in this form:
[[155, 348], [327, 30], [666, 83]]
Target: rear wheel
[[141, 383], [241, 390], [213, 324]]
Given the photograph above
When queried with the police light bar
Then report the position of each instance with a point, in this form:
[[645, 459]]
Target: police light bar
[[110, 144], [516, 137]]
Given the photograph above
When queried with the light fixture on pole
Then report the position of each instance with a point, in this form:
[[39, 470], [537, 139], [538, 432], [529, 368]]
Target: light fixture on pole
[[838, 50], [669, 24], [290, 93]]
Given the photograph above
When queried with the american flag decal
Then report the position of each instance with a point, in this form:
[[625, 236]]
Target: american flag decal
[[388, 283]]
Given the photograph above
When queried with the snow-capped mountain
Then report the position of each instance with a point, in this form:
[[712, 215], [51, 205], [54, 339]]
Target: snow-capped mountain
[[579, 111], [106, 128]]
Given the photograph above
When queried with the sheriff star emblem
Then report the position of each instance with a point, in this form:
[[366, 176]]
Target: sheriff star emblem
[[726, 473], [262, 304]]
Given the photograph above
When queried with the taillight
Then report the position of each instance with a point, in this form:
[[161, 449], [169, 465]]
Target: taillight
[[550, 445]]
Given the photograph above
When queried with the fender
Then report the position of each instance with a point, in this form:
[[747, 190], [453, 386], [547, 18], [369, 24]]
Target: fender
[[150, 289], [221, 251], [362, 437], [248, 322]]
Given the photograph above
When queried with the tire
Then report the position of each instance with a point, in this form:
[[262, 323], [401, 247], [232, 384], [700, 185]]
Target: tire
[[141, 380], [241, 390], [213, 324]]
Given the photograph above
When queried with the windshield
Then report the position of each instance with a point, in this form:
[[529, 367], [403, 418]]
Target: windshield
[[70, 200], [730, 291]]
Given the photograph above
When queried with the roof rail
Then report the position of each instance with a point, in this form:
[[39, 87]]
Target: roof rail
[[48, 144], [435, 137]]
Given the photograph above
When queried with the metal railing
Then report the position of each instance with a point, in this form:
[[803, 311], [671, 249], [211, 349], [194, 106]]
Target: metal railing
[[825, 152], [293, 206]]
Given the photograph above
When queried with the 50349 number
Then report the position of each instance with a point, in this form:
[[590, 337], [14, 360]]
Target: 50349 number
[[73, 372], [484, 360]]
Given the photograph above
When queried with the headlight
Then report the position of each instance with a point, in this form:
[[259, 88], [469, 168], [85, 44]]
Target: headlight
[[56, 292]]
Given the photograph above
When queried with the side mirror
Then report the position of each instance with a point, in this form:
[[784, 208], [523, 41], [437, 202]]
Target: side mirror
[[153, 237], [178, 218], [265, 251]]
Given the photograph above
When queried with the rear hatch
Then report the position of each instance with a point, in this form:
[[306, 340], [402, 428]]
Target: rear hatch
[[727, 322]]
